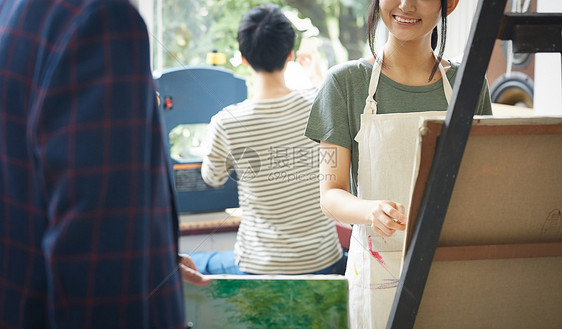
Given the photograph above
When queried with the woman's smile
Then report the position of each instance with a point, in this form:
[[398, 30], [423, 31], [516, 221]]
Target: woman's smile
[[405, 20]]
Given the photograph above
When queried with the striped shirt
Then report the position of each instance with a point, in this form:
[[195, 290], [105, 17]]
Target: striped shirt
[[283, 230]]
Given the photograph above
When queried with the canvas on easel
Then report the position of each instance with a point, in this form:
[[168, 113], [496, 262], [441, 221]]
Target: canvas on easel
[[498, 263]]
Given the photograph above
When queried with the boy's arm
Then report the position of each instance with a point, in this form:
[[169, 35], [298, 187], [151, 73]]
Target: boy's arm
[[216, 162]]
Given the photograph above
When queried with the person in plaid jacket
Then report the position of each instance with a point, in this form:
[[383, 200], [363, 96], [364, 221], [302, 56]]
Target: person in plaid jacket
[[88, 230]]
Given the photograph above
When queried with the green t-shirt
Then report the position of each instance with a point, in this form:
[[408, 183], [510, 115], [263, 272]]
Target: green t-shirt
[[336, 113]]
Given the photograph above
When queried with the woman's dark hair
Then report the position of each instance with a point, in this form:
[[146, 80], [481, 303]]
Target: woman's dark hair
[[374, 15], [266, 38]]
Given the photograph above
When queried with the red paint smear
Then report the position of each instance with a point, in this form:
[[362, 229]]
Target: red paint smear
[[375, 254]]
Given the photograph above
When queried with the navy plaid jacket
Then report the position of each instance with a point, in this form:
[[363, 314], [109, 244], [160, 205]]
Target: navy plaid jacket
[[88, 231]]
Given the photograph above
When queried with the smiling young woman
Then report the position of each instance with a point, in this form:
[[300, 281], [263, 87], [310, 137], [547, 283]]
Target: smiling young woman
[[410, 20], [412, 26], [351, 117]]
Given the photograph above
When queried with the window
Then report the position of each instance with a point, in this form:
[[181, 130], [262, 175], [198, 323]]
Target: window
[[183, 32]]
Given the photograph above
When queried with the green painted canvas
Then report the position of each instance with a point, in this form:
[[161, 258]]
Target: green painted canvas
[[264, 301]]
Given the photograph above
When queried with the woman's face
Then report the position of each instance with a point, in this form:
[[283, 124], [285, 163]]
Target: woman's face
[[410, 20]]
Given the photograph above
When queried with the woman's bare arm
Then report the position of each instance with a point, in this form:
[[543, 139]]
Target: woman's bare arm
[[385, 217]]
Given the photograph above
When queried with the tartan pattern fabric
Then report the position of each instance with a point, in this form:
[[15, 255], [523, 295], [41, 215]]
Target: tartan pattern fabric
[[88, 231]]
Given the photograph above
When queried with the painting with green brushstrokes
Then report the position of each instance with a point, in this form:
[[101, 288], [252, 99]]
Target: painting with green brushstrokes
[[264, 301]]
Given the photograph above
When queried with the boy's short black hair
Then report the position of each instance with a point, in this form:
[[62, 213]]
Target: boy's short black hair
[[266, 38]]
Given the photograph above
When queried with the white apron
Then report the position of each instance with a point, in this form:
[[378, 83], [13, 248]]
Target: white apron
[[387, 146]]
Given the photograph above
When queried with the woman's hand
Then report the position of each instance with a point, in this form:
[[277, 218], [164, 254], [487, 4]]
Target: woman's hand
[[388, 217]]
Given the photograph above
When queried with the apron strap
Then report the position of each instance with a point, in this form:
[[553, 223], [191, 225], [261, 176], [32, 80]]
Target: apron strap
[[371, 104], [447, 89]]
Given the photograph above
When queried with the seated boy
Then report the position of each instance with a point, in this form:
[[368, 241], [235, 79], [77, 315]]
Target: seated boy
[[283, 230]]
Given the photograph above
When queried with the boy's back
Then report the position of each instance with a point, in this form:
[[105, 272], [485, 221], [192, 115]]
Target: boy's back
[[283, 229]]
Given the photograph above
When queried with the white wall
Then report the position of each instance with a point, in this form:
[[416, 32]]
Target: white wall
[[548, 77], [458, 29]]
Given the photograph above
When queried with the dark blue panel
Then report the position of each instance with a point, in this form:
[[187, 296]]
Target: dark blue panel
[[197, 93]]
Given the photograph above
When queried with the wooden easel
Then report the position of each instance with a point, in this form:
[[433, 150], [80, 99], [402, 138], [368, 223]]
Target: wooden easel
[[530, 33]]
